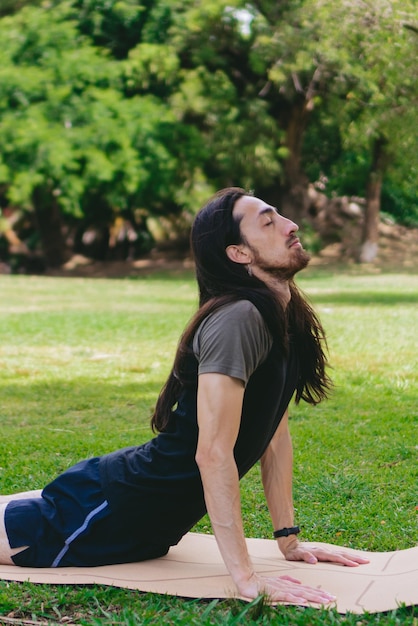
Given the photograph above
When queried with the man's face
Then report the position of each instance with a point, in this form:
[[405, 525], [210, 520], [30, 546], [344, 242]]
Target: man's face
[[270, 239]]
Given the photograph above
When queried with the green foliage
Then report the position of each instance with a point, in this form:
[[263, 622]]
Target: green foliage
[[113, 107], [372, 95], [12, 6], [69, 129], [399, 195], [116, 26], [151, 67], [352, 64]]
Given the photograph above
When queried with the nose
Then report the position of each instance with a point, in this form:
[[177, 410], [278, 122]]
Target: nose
[[289, 227]]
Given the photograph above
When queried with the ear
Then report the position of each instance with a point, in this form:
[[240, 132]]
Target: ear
[[238, 254]]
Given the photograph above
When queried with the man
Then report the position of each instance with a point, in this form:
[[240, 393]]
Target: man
[[252, 345]]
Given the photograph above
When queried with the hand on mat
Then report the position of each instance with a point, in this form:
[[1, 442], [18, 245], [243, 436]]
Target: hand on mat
[[300, 552], [283, 589]]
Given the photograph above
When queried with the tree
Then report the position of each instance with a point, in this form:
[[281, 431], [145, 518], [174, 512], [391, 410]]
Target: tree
[[379, 114], [12, 6], [257, 71], [72, 145], [115, 26], [111, 108]]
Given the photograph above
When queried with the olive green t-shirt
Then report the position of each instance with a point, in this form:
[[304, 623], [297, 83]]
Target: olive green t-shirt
[[233, 340]]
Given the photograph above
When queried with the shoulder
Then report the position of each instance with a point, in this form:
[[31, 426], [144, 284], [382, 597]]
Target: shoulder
[[240, 309], [242, 314], [233, 340]]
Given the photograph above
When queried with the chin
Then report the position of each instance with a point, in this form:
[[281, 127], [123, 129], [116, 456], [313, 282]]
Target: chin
[[300, 261]]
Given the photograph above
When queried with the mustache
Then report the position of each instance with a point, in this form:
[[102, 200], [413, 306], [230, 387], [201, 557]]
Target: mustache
[[291, 240]]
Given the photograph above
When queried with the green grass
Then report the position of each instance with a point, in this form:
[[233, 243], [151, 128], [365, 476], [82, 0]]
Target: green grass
[[82, 361]]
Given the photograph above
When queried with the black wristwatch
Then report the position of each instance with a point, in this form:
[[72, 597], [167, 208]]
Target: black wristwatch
[[285, 532]]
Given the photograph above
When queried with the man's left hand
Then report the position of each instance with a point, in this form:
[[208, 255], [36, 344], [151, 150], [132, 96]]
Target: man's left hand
[[303, 552]]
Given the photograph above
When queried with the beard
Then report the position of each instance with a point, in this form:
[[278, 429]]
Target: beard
[[298, 260]]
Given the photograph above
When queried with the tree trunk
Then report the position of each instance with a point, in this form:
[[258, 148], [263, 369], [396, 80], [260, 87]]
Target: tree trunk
[[291, 198], [50, 226], [296, 124], [370, 236]]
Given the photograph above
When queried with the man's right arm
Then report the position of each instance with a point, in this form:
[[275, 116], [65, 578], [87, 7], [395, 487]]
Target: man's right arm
[[219, 404], [219, 407]]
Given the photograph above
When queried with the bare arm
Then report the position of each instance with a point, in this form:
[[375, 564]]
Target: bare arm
[[219, 405], [277, 477], [276, 472]]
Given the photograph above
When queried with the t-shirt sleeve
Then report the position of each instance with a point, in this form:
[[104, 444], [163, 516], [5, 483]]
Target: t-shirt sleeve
[[233, 340]]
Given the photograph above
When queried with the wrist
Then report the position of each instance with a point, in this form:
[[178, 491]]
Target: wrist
[[242, 577], [287, 538], [287, 541], [286, 532]]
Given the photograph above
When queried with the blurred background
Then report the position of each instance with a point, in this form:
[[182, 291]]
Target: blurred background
[[119, 118]]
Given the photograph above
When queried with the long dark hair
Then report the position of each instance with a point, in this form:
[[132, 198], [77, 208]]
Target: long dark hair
[[221, 281]]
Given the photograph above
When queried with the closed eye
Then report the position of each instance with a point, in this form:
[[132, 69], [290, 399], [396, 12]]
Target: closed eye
[[268, 213]]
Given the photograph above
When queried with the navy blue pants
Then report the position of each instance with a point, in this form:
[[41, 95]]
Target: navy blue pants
[[72, 524]]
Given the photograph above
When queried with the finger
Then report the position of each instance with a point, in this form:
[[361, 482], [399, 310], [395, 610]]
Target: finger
[[352, 561], [346, 561], [290, 579], [281, 590], [361, 560], [305, 596], [308, 557], [301, 555], [344, 558]]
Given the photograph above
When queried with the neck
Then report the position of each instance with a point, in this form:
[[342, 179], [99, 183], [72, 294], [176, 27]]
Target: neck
[[278, 284]]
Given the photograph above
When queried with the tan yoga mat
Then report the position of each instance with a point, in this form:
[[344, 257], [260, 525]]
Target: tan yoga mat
[[194, 569]]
